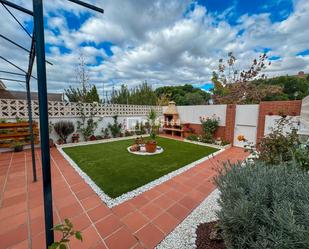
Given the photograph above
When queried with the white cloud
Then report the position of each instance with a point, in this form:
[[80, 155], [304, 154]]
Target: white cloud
[[163, 42]]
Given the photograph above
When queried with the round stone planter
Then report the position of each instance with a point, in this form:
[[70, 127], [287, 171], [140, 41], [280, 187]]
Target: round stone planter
[[143, 152]]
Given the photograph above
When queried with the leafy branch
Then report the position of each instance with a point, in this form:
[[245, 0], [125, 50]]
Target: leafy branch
[[67, 232]]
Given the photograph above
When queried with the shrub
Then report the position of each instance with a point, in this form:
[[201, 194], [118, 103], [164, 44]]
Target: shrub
[[209, 125], [279, 145], [264, 207], [152, 116], [193, 137], [115, 128], [64, 129]]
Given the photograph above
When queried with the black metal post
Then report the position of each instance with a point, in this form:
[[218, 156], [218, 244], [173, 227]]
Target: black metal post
[[43, 109], [31, 128]]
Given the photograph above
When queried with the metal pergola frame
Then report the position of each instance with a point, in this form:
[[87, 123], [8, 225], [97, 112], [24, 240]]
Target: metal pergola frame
[[38, 50]]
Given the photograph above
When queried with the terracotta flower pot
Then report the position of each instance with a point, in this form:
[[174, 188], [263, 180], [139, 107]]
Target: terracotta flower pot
[[151, 146], [92, 138]]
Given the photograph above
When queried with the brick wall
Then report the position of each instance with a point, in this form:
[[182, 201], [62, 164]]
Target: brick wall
[[230, 122], [220, 133], [224, 132], [290, 108]]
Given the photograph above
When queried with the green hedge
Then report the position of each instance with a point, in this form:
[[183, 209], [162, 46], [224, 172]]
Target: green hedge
[[264, 206]]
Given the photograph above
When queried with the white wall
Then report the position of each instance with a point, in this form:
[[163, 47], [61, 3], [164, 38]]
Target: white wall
[[192, 114], [102, 123], [270, 121]]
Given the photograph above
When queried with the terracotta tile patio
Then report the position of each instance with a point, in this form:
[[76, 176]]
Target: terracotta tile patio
[[141, 222]]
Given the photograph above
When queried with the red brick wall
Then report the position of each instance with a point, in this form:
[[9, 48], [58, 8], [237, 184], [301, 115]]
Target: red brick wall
[[290, 108], [230, 122], [220, 133]]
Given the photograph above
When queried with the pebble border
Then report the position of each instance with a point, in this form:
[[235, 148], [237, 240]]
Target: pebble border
[[111, 202], [184, 235]]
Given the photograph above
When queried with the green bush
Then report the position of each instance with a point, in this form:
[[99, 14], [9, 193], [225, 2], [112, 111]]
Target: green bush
[[115, 128], [209, 125], [193, 137], [264, 207], [279, 146], [64, 129]]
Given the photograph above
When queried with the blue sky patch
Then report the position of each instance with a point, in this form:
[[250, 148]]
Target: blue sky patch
[[303, 53], [279, 10], [274, 58]]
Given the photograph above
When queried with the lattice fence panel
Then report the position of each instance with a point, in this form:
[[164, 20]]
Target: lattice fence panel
[[10, 108]]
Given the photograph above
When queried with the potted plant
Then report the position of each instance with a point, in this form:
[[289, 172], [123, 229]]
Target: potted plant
[[75, 138], [151, 145], [92, 138], [18, 146], [139, 140]]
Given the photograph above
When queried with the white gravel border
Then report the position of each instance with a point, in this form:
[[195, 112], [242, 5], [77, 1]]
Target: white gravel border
[[111, 202], [144, 153], [184, 235]]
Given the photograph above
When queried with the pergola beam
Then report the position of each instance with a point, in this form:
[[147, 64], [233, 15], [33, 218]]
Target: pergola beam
[[87, 5], [14, 43], [14, 65], [13, 73], [28, 78], [17, 7], [14, 80]]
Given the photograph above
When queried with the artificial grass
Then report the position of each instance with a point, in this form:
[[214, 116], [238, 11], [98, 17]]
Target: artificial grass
[[116, 171]]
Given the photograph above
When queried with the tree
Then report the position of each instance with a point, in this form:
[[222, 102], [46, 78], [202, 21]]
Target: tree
[[183, 95], [140, 95], [85, 92], [77, 94], [238, 87], [292, 86], [163, 100]]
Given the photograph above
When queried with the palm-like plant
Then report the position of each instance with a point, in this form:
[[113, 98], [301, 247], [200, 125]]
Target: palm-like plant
[[152, 121]]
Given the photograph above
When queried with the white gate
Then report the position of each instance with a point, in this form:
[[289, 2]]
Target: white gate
[[246, 122]]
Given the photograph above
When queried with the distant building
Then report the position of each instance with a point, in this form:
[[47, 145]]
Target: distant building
[[22, 95]]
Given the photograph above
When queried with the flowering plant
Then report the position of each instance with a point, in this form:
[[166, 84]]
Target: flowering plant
[[210, 125]]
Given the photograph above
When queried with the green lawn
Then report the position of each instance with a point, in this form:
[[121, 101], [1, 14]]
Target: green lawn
[[116, 171]]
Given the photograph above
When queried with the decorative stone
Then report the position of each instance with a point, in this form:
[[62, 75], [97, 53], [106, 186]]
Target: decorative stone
[[142, 150]]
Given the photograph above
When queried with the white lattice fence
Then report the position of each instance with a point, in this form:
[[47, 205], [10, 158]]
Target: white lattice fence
[[10, 108]]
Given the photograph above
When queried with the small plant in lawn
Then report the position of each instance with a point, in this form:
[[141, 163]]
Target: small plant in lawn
[[115, 128], [64, 129], [263, 206], [68, 232]]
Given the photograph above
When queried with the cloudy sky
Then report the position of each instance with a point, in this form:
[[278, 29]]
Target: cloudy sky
[[164, 42]]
